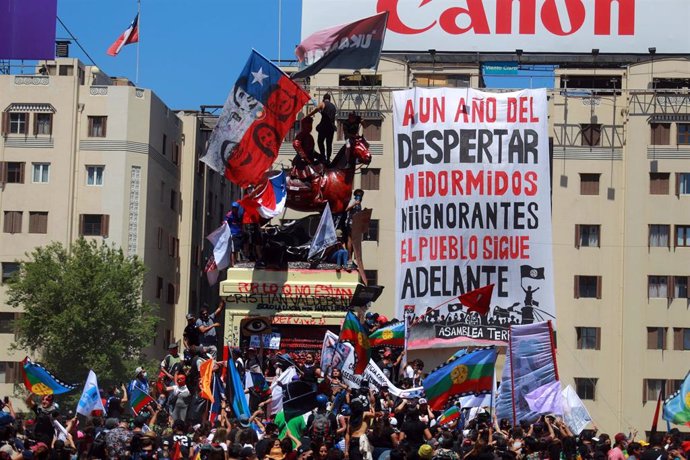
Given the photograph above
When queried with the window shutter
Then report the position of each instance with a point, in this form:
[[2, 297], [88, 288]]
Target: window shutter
[[3, 172], [5, 123], [21, 173], [105, 225], [677, 338], [598, 235], [649, 236], [35, 124], [26, 123], [687, 288], [105, 125], [577, 236], [598, 335], [598, 287], [670, 283], [651, 338], [677, 184], [578, 335], [81, 224], [576, 291], [50, 124]]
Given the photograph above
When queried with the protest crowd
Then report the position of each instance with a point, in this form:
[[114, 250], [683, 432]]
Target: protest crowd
[[263, 404]]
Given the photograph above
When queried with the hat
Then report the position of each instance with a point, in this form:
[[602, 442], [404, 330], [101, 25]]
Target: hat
[[172, 345], [394, 421], [166, 443], [189, 316], [302, 449], [644, 443], [620, 437], [425, 452], [244, 421], [423, 401], [138, 370], [685, 445], [111, 423]]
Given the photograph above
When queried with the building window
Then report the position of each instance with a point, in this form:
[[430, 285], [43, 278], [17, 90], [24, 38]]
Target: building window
[[372, 277], [173, 200], [171, 293], [7, 323], [371, 129], [659, 236], [160, 237], [588, 338], [9, 372], [352, 79], [682, 235], [94, 224], [591, 134], [657, 287], [587, 236], [656, 338], [652, 389], [680, 287], [159, 287], [12, 222], [43, 123], [12, 172], [682, 183], [681, 338], [659, 183], [443, 80], [176, 154], [38, 222], [94, 175], [40, 173], [587, 287], [66, 70], [372, 233], [589, 184], [370, 178], [173, 247], [97, 126], [661, 133], [165, 145], [9, 269], [18, 123], [585, 387], [683, 136]]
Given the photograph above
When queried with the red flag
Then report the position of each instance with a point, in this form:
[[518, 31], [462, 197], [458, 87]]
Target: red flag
[[176, 452], [130, 35], [655, 420], [478, 300], [354, 333]]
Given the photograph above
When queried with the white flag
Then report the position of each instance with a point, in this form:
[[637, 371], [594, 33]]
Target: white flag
[[575, 413], [276, 404], [325, 234], [221, 238], [90, 398]]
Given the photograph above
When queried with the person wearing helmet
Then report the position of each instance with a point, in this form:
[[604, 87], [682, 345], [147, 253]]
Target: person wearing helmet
[[322, 425]]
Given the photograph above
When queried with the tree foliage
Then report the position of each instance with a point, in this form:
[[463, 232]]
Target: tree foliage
[[83, 309]]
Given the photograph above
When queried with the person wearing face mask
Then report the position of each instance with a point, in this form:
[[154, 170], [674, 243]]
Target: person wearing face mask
[[140, 382], [116, 398]]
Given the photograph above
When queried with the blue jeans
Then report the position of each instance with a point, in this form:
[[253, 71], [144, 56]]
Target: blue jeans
[[340, 257]]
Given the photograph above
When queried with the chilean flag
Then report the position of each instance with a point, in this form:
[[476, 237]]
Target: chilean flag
[[268, 199], [257, 115], [131, 35]]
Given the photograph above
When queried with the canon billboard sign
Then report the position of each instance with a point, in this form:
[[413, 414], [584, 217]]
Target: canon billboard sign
[[544, 26]]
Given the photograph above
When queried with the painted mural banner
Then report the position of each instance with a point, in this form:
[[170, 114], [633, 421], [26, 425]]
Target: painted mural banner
[[473, 190]]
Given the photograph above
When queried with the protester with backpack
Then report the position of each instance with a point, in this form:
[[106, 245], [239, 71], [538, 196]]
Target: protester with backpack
[[322, 425]]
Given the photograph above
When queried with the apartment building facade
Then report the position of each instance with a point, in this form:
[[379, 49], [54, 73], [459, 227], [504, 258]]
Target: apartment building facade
[[620, 202], [83, 154]]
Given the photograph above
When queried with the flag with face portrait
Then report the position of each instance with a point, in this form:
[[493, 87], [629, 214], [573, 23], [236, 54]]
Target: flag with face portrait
[[257, 115]]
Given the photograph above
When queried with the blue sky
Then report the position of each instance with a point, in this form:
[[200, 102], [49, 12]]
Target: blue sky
[[191, 50]]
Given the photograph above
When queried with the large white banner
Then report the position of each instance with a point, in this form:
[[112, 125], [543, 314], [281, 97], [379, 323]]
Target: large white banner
[[473, 207], [535, 26]]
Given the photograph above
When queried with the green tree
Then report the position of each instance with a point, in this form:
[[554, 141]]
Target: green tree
[[83, 309]]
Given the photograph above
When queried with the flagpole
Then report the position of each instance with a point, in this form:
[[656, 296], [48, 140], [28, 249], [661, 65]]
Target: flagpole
[[136, 76]]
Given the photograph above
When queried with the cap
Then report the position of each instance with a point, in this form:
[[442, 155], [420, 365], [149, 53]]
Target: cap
[[138, 370], [244, 420], [189, 316], [422, 401], [394, 421], [620, 437], [425, 452], [172, 345]]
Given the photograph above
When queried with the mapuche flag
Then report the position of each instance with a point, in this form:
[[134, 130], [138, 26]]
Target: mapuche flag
[[677, 407], [354, 333], [258, 113], [468, 373], [348, 46], [140, 400], [389, 336], [40, 382], [130, 35]]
